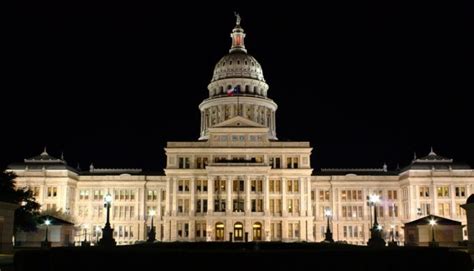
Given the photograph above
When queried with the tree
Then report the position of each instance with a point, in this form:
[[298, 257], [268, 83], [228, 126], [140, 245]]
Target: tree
[[26, 214]]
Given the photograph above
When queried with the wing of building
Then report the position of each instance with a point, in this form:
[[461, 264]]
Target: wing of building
[[238, 181]]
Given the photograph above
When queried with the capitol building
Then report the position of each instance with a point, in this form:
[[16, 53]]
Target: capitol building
[[238, 181]]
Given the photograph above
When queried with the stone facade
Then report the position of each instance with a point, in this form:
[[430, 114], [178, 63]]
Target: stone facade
[[239, 181]]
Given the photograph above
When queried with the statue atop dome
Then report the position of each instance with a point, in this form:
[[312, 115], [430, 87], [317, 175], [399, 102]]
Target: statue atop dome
[[237, 17]]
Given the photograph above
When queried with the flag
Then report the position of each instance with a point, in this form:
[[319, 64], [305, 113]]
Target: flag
[[234, 90]]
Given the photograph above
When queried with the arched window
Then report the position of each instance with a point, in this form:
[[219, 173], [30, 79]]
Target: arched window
[[238, 62], [255, 90], [246, 63], [247, 89], [230, 62], [222, 89]]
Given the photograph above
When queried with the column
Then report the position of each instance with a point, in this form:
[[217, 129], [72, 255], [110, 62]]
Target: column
[[453, 203], [174, 193], [192, 203], [309, 208], [302, 187], [266, 195], [284, 208], [210, 198], [167, 197], [228, 205], [247, 195]]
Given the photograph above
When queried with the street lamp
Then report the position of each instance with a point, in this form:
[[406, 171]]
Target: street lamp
[[433, 243], [107, 231], [85, 243], [376, 239], [328, 235], [151, 233], [46, 243]]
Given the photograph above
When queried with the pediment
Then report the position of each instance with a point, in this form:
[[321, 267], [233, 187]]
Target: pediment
[[238, 121]]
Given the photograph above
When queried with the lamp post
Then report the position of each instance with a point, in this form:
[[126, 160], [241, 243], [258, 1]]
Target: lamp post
[[376, 239], [107, 238], [328, 235], [46, 243], [151, 233], [85, 243], [433, 243]]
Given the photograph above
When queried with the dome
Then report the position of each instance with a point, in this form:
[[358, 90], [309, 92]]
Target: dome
[[470, 199], [238, 65]]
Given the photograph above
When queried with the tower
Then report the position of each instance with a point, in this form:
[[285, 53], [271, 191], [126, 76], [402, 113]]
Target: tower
[[237, 88]]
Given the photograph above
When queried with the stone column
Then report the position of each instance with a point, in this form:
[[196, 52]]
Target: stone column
[[284, 208], [192, 202], [301, 186], [174, 192], [247, 195], [167, 197], [210, 197], [309, 207], [228, 206], [266, 195]]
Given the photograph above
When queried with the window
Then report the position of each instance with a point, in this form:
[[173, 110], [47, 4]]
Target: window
[[83, 194], [444, 209], [392, 194], [238, 186], [183, 185], [256, 186], [275, 162], [219, 185], [219, 205], [200, 229], [351, 211], [292, 186], [460, 212], [293, 230], [183, 206], [257, 205], [275, 186], [238, 205], [424, 192], [98, 195], [393, 210], [184, 162], [152, 195], [442, 191], [52, 191], [201, 206], [201, 162], [292, 162], [460, 191], [425, 209], [36, 191], [323, 195], [351, 195], [201, 186]]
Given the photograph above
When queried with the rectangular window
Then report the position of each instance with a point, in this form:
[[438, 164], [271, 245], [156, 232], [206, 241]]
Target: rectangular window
[[460, 191], [184, 162], [323, 195], [442, 191], [392, 194], [424, 192], [444, 209], [275, 162]]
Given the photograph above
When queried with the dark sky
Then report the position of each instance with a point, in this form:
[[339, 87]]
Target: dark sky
[[364, 83]]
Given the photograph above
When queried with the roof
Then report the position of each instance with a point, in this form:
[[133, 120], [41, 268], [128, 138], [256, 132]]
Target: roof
[[54, 220], [439, 221], [434, 161]]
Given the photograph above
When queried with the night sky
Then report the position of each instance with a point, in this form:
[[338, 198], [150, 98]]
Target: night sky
[[364, 83]]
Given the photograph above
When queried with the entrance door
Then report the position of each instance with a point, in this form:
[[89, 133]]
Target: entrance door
[[238, 231], [257, 232], [219, 231]]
